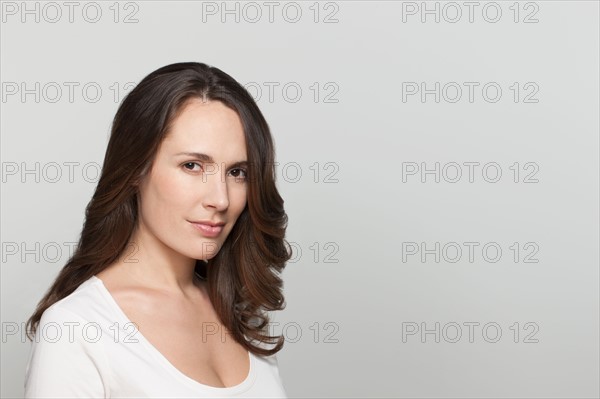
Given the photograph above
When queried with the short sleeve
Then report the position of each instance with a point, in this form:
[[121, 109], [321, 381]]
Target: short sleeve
[[63, 362]]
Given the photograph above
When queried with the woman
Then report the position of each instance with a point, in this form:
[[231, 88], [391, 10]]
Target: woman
[[178, 261]]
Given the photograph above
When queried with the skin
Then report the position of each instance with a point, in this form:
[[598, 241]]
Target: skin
[[154, 284]]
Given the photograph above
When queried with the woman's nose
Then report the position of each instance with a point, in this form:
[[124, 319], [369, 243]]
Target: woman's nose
[[215, 188]]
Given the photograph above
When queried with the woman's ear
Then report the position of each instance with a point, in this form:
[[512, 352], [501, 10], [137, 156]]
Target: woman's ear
[[142, 175], [136, 182]]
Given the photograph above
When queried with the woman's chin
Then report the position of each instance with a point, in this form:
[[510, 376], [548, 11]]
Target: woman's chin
[[206, 256]]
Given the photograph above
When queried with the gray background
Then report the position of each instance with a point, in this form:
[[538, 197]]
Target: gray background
[[354, 286]]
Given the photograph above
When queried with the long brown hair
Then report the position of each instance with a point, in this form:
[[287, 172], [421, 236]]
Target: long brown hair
[[243, 278]]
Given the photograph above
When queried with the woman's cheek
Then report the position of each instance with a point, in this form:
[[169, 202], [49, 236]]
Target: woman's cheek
[[173, 188]]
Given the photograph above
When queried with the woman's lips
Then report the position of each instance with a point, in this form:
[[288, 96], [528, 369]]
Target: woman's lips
[[207, 230]]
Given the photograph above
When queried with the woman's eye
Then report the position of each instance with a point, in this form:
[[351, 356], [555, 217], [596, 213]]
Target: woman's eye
[[190, 165], [239, 173]]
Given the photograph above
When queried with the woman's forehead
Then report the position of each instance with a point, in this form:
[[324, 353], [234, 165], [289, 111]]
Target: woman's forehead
[[207, 127]]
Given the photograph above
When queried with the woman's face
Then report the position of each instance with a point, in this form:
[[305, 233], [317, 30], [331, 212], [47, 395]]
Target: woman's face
[[198, 176]]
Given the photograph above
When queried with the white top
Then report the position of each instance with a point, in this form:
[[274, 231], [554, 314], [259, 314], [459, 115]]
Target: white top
[[85, 346]]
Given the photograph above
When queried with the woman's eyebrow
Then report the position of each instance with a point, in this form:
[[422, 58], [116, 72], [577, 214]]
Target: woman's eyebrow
[[239, 164], [207, 158], [200, 156]]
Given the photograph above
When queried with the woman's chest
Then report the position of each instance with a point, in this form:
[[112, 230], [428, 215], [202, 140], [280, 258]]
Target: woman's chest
[[191, 338]]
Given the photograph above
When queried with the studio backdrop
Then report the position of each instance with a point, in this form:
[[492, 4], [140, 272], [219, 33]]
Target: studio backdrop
[[438, 163]]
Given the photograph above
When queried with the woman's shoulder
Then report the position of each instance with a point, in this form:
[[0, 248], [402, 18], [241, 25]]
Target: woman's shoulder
[[66, 357], [84, 303]]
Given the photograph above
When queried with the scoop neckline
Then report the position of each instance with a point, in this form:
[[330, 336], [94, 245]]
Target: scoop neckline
[[166, 363]]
